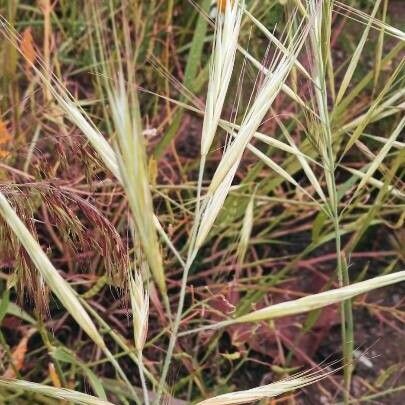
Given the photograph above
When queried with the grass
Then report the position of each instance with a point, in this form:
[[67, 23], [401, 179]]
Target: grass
[[193, 197]]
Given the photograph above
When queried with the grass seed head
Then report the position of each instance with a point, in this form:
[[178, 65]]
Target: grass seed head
[[272, 390], [133, 169], [140, 309], [227, 28]]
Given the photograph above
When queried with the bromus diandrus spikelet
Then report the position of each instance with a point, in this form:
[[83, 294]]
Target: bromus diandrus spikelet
[[246, 231], [224, 174], [140, 309], [132, 163], [52, 392], [130, 144], [304, 162], [356, 56], [227, 28], [140, 314], [311, 302], [375, 183], [382, 154], [212, 207], [272, 390]]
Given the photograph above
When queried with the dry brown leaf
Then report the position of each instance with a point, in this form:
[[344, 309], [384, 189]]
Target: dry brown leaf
[[5, 137], [27, 46], [18, 356]]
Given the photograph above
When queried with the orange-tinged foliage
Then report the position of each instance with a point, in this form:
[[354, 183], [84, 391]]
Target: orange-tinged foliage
[[27, 46], [53, 375], [5, 138], [222, 4], [18, 357]]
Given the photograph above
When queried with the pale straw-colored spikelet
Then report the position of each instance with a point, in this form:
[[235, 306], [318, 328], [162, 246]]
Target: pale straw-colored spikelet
[[140, 309], [311, 302], [382, 154], [225, 45], [227, 28], [265, 96], [132, 162], [347, 78], [213, 206], [322, 299], [375, 182], [223, 177], [246, 231], [303, 161], [267, 391], [53, 392]]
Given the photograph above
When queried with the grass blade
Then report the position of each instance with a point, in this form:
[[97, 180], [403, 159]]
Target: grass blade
[[381, 155], [356, 56]]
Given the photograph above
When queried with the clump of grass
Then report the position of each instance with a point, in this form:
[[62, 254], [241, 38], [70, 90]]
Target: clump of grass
[[56, 283], [48, 272], [221, 182], [290, 171]]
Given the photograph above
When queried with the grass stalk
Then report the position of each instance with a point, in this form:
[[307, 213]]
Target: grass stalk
[[174, 329], [221, 182], [320, 38]]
